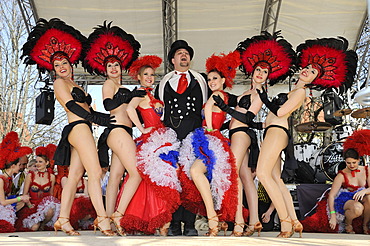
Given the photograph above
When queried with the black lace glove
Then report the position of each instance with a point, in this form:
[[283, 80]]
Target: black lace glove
[[245, 118], [264, 98], [94, 117]]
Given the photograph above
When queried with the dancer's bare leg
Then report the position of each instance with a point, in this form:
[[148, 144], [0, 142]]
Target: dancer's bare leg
[[116, 173], [276, 175], [239, 146], [83, 141], [124, 147], [275, 141], [197, 171], [366, 203], [250, 190], [76, 170], [352, 210]]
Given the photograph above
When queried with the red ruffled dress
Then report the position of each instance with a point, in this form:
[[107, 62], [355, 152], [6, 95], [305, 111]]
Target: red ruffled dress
[[81, 208], [214, 150], [42, 200], [7, 213], [157, 196], [319, 222]]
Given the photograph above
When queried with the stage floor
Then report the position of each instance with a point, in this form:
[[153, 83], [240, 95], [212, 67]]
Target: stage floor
[[267, 238]]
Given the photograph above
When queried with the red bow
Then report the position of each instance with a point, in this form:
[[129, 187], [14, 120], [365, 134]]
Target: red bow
[[353, 172]]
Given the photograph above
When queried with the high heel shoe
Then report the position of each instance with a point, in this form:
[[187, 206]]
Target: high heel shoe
[[212, 232], [118, 226], [163, 231], [286, 234], [255, 228], [108, 232], [223, 227], [58, 226], [238, 233], [297, 227], [349, 229]]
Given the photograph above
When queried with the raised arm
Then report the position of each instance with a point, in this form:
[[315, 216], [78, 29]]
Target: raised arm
[[295, 100]]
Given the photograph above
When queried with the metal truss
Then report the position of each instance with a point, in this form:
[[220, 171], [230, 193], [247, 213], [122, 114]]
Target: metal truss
[[29, 13], [363, 53], [271, 15], [169, 15]]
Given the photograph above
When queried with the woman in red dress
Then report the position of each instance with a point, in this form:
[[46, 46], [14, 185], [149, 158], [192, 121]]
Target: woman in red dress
[[209, 174], [158, 194], [43, 209], [10, 152]]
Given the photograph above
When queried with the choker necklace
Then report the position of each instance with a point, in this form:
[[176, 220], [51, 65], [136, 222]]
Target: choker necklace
[[353, 172], [41, 174]]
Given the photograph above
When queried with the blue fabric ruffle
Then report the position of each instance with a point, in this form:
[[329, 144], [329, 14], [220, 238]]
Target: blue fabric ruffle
[[201, 151]]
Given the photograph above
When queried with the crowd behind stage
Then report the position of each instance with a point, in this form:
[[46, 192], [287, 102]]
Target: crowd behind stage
[[182, 165]]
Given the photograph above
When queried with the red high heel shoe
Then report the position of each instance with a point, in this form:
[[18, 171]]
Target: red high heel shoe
[[58, 226], [298, 227], [107, 232], [286, 234], [255, 228]]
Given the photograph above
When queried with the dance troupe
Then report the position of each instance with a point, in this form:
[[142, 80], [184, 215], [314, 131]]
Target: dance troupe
[[181, 165]]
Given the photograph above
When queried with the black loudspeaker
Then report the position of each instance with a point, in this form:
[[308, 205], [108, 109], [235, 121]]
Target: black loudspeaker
[[45, 108], [332, 103]]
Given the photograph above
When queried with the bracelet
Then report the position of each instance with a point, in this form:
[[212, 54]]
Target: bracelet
[[209, 130], [332, 212], [19, 198]]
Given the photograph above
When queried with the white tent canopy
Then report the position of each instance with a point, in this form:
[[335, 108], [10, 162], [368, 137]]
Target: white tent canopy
[[211, 26]]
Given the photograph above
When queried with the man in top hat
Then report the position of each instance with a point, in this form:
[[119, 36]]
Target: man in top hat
[[183, 92]]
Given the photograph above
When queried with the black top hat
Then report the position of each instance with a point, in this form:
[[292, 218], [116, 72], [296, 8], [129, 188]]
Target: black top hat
[[179, 44]]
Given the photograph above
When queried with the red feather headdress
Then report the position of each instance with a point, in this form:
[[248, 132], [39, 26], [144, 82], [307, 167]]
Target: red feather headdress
[[47, 151], [336, 64], [108, 43], [360, 141], [52, 40], [226, 65], [11, 149], [151, 61], [268, 51]]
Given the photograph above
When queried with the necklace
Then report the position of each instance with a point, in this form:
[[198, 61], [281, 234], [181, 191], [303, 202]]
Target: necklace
[[41, 173]]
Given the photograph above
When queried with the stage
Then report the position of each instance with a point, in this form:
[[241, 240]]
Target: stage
[[267, 238]]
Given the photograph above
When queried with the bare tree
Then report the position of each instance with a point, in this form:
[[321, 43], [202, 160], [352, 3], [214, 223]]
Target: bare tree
[[20, 85]]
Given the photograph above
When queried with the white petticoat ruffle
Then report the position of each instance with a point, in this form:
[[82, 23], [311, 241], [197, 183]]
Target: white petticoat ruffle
[[43, 207], [161, 141], [7, 213], [221, 172]]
